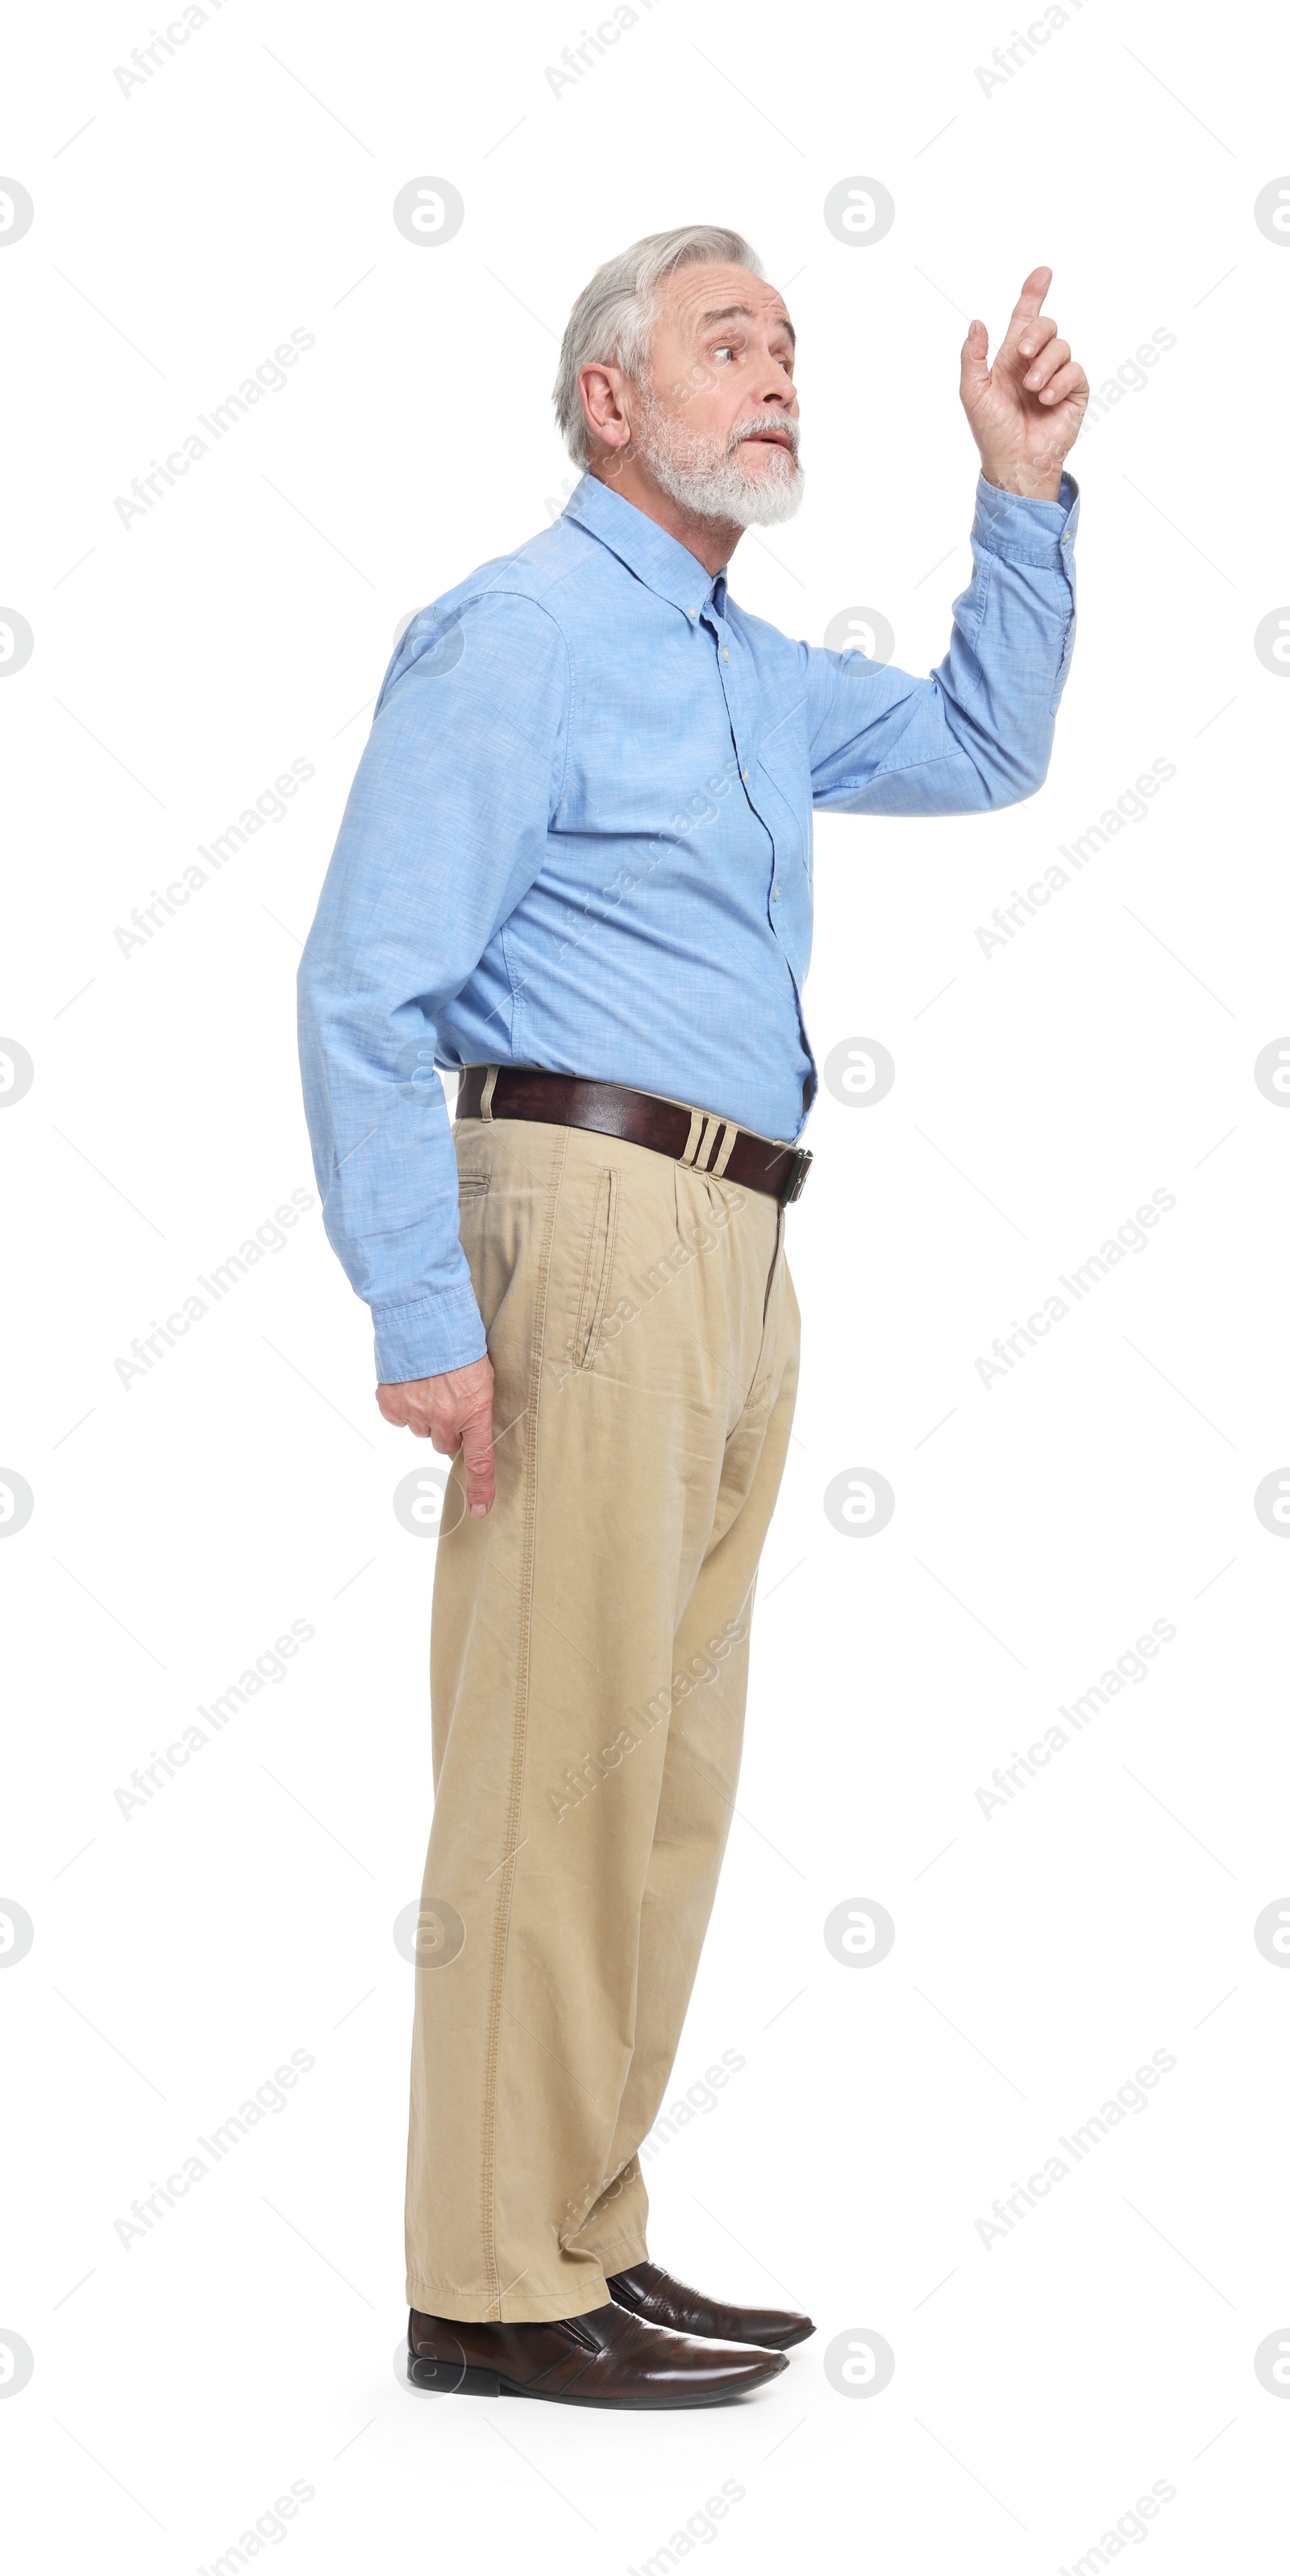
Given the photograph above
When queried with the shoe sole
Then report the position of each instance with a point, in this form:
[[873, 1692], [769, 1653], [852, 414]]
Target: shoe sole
[[490, 2383]]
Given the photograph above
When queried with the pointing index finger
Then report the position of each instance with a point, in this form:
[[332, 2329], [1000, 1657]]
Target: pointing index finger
[[1034, 289]]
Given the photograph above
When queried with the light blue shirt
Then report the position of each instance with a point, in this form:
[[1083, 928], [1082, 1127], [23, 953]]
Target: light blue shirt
[[580, 837]]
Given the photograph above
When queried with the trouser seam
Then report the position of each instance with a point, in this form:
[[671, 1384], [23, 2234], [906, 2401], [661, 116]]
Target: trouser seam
[[516, 1788]]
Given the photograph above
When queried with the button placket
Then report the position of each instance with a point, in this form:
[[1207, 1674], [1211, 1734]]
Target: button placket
[[725, 676], [714, 619]]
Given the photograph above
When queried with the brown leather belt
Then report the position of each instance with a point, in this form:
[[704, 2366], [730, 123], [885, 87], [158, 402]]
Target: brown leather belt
[[703, 1142]]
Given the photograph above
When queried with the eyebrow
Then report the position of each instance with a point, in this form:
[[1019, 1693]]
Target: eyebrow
[[743, 313]]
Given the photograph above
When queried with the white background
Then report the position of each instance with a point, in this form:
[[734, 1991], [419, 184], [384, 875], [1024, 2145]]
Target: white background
[[181, 1523]]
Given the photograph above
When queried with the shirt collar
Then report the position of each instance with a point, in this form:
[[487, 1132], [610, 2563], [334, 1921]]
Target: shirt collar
[[661, 562]]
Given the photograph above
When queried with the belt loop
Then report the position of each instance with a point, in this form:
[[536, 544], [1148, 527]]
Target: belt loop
[[729, 1138], [697, 1123], [486, 1095]]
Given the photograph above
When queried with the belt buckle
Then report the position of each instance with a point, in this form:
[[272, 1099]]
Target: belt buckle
[[803, 1160]]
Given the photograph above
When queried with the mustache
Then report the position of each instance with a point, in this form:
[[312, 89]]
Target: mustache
[[789, 429]]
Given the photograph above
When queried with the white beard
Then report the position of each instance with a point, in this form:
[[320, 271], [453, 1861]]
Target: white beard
[[706, 477]]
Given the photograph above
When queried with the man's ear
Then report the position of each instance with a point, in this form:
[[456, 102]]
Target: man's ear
[[601, 389]]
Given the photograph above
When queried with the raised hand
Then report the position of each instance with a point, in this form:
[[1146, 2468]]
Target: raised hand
[[1026, 409]]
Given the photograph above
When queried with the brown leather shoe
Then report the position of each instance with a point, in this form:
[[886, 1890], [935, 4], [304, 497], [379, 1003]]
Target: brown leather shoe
[[653, 2295], [607, 2358]]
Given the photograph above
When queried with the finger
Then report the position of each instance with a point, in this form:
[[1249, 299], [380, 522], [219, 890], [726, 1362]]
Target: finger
[[1046, 365], [1026, 308], [405, 1407], [973, 368], [1069, 381], [1035, 336], [477, 1459]]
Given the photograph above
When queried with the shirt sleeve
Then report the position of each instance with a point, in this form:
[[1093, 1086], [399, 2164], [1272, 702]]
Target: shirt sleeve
[[978, 731], [444, 831]]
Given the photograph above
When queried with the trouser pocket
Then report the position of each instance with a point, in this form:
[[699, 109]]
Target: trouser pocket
[[596, 1270]]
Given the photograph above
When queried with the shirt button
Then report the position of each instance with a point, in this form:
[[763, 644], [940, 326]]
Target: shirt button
[[777, 894], [724, 655], [744, 775]]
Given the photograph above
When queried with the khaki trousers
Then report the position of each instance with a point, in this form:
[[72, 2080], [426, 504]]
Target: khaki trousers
[[589, 1660]]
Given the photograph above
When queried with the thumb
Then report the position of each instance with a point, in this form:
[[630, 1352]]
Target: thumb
[[477, 1460], [973, 368]]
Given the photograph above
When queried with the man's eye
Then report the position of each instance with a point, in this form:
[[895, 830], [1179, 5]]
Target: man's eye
[[725, 351]]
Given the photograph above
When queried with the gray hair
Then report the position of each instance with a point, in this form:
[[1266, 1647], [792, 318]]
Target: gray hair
[[613, 319]]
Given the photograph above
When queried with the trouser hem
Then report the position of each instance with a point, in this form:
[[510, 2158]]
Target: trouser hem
[[464, 2307], [632, 2248]]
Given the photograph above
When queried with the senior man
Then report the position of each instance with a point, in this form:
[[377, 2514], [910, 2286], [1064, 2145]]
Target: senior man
[[575, 869]]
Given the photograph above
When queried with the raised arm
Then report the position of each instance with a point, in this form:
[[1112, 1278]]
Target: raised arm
[[977, 732]]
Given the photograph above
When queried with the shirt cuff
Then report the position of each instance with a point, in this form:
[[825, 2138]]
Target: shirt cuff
[[427, 1336], [1024, 531]]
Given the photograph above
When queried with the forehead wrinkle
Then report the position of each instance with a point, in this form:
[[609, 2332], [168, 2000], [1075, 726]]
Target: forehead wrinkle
[[686, 287], [745, 313]]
